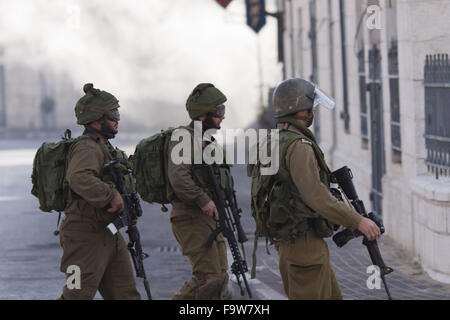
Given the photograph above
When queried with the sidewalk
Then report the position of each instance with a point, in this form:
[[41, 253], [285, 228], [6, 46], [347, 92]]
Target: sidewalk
[[407, 282]]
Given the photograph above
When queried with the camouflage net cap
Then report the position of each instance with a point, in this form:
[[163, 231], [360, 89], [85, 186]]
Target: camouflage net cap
[[94, 104], [203, 99], [293, 95]]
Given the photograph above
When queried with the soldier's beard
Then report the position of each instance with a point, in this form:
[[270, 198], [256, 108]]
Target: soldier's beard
[[209, 124], [310, 121], [108, 131]]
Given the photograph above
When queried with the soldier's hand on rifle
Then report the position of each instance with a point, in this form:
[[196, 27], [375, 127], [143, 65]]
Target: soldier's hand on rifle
[[116, 204], [211, 210], [369, 229]]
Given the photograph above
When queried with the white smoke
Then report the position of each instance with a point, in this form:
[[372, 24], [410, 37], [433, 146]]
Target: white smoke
[[148, 53]]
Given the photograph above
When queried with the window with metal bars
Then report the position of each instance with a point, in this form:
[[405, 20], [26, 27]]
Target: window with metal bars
[[396, 142], [437, 113], [363, 99]]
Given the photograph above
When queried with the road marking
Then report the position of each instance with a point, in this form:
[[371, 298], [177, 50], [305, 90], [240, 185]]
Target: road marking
[[17, 157], [259, 288], [10, 198]]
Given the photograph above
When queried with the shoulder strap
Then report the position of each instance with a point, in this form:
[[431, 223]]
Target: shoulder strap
[[318, 153], [101, 145], [292, 137]]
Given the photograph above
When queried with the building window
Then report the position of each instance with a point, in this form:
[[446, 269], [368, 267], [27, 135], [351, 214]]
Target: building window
[[344, 114], [359, 51], [396, 141], [363, 99], [391, 36], [437, 113]]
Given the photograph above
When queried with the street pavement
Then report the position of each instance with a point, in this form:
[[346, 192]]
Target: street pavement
[[30, 254]]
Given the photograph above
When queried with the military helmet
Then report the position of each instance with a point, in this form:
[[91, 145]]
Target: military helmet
[[204, 98], [293, 95], [95, 104]]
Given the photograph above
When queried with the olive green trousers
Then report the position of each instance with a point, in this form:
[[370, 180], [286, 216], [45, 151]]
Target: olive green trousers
[[191, 229], [306, 270], [102, 259]]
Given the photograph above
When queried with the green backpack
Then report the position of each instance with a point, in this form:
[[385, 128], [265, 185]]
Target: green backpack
[[49, 173], [150, 160]]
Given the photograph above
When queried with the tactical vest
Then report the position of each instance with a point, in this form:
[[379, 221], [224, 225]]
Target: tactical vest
[[222, 172], [126, 169], [290, 217], [111, 153]]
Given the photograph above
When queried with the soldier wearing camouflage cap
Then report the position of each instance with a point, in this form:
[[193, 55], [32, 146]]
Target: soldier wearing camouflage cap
[[102, 258], [205, 101], [193, 210], [304, 259], [96, 105]]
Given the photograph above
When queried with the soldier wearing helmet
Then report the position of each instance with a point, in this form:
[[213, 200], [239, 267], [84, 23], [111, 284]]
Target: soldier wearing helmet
[[304, 259], [193, 210], [102, 258]]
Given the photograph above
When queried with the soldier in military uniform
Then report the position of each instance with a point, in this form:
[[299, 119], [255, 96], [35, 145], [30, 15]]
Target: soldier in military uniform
[[102, 258], [304, 259], [194, 213]]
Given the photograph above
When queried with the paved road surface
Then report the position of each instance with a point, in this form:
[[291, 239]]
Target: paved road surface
[[30, 254]]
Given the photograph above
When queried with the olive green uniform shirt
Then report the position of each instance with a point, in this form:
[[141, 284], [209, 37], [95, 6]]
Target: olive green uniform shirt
[[304, 168], [84, 171], [182, 181]]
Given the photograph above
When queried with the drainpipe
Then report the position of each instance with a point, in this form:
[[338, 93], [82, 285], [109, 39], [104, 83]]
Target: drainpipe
[[291, 18], [312, 35], [344, 115], [333, 88]]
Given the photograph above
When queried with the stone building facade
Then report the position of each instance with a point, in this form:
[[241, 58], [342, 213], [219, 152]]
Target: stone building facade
[[386, 64]]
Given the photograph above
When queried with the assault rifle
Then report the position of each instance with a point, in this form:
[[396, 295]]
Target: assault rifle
[[128, 218], [343, 177], [229, 223]]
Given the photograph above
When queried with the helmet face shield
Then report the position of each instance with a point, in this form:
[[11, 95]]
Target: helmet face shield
[[321, 98]]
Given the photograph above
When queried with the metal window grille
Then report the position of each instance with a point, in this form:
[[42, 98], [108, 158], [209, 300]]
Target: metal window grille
[[396, 141], [362, 96], [437, 113]]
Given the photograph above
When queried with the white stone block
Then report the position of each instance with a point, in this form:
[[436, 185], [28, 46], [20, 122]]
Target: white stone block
[[407, 203], [419, 210], [438, 217], [447, 213], [429, 246], [421, 241], [403, 228], [417, 244], [441, 253], [441, 191], [430, 216]]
